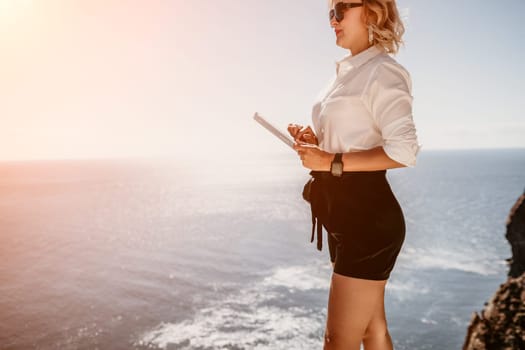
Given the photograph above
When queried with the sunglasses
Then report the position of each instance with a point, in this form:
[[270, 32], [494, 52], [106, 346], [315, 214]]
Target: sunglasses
[[340, 8]]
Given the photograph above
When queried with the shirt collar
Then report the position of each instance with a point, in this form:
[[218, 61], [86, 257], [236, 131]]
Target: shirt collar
[[354, 61]]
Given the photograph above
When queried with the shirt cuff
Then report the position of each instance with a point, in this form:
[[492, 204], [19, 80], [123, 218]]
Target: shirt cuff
[[403, 152]]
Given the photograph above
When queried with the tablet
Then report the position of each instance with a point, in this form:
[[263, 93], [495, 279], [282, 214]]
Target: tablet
[[268, 126]]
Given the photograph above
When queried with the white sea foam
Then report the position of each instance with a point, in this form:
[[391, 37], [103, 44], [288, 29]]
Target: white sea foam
[[405, 290], [259, 328], [428, 320], [246, 319], [298, 277], [439, 258]]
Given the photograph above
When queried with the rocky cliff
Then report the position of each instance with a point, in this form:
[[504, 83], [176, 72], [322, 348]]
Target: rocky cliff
[[501, 324]]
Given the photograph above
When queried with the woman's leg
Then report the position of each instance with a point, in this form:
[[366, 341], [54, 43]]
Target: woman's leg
[[376, 335], [352, 304]]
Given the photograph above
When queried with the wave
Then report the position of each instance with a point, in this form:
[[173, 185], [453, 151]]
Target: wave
[[254, 317]]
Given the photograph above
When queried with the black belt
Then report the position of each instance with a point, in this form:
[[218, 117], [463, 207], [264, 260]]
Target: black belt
[[317, 205], [321, 209]]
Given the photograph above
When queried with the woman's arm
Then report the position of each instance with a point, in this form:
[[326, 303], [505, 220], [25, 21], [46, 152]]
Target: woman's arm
[[368, 160]]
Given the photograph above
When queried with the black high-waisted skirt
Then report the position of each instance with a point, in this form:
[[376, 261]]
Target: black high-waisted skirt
[[364, 221]]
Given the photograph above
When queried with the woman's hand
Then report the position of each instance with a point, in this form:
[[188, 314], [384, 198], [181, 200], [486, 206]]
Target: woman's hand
[[313, 157], [299, 133]]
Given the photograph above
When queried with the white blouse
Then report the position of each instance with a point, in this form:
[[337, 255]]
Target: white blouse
[[368, 103]]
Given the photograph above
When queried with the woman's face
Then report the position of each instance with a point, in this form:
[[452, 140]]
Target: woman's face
[[352, 31]]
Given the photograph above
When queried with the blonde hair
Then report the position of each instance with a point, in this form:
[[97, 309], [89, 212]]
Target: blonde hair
[[383, 17]]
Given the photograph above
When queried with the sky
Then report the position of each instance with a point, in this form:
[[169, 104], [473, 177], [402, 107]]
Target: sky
[[178, 78]]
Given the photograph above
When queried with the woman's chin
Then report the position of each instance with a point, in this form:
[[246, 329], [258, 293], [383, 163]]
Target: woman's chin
[[341, 44]]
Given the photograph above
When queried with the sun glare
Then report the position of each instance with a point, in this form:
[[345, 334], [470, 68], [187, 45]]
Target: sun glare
[[10, 10]]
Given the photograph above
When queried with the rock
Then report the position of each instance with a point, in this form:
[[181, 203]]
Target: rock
[[501, 324], [516, 237]]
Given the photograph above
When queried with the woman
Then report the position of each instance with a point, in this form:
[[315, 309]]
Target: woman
[[363, 126]]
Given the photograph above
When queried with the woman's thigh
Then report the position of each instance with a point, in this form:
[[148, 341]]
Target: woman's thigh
[[351, 305]]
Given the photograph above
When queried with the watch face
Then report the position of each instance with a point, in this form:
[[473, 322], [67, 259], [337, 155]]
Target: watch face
[[337, 169]]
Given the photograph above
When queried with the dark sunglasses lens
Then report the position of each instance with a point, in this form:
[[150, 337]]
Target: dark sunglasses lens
[[337, 12]]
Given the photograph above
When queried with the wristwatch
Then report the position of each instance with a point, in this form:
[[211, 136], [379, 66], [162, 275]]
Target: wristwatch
[[336, 168]]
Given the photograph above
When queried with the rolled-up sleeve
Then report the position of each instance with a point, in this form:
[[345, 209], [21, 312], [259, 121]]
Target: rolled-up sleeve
[[389, 97]]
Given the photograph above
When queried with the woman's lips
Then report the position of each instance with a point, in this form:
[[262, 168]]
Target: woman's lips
[[337, 32]]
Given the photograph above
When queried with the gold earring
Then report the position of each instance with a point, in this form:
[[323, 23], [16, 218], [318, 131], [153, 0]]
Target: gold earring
[[370, 35]]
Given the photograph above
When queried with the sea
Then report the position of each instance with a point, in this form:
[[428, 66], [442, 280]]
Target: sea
[[156, 253]]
